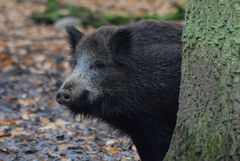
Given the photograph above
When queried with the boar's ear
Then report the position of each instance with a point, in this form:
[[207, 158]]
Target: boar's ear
[[74, 36], [120, 44]]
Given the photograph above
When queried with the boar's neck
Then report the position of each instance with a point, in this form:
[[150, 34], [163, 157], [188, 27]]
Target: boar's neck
[[150, 122], [152, 139], [150, 147]]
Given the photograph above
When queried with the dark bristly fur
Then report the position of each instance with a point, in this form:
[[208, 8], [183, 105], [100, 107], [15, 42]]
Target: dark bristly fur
[[135, 84]]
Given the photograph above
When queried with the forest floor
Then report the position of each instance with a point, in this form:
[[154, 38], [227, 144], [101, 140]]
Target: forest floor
[[33, 64]]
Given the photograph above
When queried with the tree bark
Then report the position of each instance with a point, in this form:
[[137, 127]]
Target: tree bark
[[208, 126]]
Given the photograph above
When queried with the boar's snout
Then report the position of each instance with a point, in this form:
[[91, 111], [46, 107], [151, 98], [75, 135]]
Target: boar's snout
[[64, 97], [77, 92]]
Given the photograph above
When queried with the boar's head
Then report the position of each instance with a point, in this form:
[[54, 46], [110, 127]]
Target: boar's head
[[102, 68]]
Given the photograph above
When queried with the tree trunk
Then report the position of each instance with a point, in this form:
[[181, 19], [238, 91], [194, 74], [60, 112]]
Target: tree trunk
[[208, 127]]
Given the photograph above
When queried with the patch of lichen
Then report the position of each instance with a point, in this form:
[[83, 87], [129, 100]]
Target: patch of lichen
[[204, 139], [208, 140], [211, 47]]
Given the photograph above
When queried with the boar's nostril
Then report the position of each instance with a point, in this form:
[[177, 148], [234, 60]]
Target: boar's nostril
[[66, 96], [58, 97], [63, 97]]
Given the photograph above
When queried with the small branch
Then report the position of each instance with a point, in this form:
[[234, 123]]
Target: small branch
[[21, 37]]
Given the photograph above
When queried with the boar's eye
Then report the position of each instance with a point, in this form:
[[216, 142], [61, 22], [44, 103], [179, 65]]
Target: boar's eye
[[98, 65]]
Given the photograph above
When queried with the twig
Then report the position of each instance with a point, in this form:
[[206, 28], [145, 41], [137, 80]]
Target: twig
[[21, 37]]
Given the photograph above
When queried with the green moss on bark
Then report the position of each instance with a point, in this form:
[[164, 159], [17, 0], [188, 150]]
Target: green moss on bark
[[208, 125]]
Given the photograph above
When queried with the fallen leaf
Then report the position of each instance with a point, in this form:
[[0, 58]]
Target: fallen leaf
[[3, 56], [28, 58], [111, 141], [136, 157], [27, 101], [86, 147], [8, 121], [24, 137], [39, 58], [112, 150], [4, 132], [61, 123], [65, 159], [63, 146], [16, 131], [53, 103], [48, 65], [50, 126], [8, 62], [44, 120], [11, 99], [24, 116], [5, 149]]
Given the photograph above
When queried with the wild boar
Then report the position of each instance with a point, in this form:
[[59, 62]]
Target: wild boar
[[128, 77]]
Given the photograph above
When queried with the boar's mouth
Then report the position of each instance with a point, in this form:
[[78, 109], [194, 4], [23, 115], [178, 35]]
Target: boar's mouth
[[83, 106]]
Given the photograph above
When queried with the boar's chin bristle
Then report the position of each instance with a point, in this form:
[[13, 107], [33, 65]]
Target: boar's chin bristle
[[74, 36]]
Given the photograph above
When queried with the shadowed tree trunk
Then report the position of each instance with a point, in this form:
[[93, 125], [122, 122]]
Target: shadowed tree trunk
[[208, 127]]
